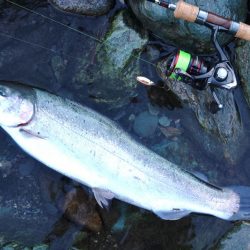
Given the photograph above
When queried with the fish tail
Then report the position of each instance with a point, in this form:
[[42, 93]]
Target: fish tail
[[243, 212]]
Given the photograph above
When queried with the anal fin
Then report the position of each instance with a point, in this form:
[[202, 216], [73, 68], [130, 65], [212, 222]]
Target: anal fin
[[173, 214], [103, 197]]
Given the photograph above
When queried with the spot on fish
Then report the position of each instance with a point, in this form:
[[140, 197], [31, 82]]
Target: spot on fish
[[136, 178]]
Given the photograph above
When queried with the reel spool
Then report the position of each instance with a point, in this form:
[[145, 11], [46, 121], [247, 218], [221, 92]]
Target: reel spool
[[193, 65]]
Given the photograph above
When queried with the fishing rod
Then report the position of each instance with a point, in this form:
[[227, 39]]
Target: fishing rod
[[197, 71], [192, 13]]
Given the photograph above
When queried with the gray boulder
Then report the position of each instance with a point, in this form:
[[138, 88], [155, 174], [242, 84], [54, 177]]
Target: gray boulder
[[189, 36], [112, 80], [237, 238], [84, 7]]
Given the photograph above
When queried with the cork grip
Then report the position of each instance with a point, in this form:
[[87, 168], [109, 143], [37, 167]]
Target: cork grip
[[186, 11], [243, 32]]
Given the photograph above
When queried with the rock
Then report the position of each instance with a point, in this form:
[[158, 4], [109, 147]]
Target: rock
[[79, 237], [23, 217], [237, 238], [112, 79], [189, 36], [9, 247], [243, 65], [58, 65], [170, 132], [79, 208], [164, 121], [26, 167], [5, 168], [84, 7], [153, 110], [207, 233], [179, 153], [41, 247], [145, 124], [220, 134]]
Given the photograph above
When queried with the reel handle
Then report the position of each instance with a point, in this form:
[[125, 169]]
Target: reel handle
[[192, 13]]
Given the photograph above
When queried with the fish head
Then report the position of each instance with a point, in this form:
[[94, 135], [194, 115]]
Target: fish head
[[17, 104]]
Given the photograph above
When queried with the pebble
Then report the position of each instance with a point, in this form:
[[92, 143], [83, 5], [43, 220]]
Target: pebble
[[164, 121], [145, 124], [153, 110], [170, 131]]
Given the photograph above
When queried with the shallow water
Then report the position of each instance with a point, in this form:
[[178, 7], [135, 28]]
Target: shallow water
[[31, 193]]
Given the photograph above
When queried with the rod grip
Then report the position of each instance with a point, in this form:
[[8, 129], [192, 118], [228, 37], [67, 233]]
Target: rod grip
[[243, 32], [186, 11]]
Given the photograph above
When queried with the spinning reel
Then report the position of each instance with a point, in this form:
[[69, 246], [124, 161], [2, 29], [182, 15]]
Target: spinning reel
[[198, 71]]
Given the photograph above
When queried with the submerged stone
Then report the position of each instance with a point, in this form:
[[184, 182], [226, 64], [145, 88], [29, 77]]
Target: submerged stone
[[84, 7], [80, 209], [41, 247], [164, 121], [237, 238], [145, 124], [189, 36]]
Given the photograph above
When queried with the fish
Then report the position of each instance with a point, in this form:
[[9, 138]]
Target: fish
[[93, 150]]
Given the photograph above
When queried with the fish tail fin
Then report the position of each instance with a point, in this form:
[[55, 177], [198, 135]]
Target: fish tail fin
[[243, 212]]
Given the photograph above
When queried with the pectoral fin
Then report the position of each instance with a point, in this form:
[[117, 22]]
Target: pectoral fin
[[173, 214], [103, 197], [30, 134]]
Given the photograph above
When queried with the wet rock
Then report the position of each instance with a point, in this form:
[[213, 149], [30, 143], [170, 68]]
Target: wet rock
[[237, 238], [112, 79], [26, 167], [5, 168], [170, 132], [220, 134], [79, 208], [9, 157], [41, 247], [189, 36], [207, 233], [79, 237], [177, 152], [145, 124], [84, 7], [153, 110], [164, 121], [243, 65], [58, 65], [23, 217]]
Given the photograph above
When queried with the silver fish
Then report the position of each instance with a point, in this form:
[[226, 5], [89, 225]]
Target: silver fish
[[91, 149]]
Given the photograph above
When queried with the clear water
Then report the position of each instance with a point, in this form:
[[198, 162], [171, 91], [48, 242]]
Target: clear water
[[31, 194]]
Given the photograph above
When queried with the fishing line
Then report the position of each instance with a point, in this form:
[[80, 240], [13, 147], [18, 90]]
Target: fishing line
[[64, 25], [37, 45], [55, 21]]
